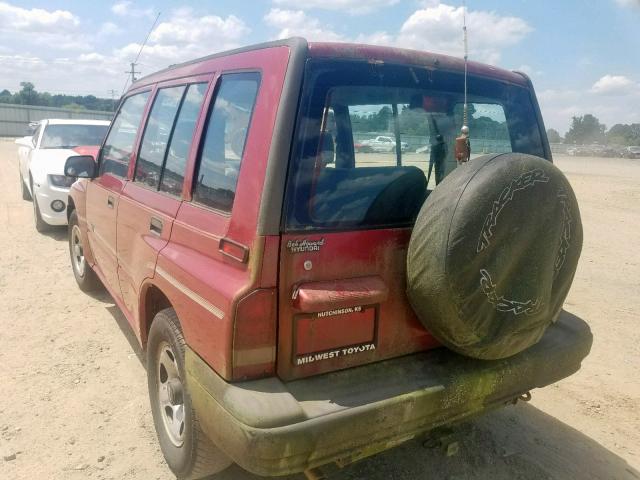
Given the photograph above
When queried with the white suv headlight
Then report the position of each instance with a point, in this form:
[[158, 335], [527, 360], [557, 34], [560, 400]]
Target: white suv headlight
[[61, 181]]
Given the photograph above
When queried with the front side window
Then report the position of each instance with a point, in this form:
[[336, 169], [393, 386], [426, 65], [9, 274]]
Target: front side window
[[157, 134], [223, 148], [118, 146], [373, 140]]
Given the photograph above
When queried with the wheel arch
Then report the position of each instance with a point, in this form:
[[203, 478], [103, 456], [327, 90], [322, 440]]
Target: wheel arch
[[152, 300], [71, 206]]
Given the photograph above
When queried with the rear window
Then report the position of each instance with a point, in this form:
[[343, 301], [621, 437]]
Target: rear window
[[69, 135], [373, 140]]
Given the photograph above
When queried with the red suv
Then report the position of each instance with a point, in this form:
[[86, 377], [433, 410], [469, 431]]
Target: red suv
[[301, 303]]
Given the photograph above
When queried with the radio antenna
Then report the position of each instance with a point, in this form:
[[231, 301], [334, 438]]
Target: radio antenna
[[466, 57], [463, 144]]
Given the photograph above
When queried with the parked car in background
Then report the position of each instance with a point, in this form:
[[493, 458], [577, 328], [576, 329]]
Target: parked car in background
[[594, 150], [41, 158], [265, 270], [380, 144], [631, 152]]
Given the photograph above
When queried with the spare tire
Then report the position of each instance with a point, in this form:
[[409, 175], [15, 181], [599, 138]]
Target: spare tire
[[493, 253]]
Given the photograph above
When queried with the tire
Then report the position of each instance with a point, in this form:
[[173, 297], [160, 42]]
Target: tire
[[186, 449], [493, 254], [25, 191], [40, 224], [85, 277]]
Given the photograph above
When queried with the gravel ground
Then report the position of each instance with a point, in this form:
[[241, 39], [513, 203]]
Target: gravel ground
[[75, 402]]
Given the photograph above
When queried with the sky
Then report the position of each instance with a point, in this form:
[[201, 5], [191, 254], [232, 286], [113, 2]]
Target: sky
[[583, 56]]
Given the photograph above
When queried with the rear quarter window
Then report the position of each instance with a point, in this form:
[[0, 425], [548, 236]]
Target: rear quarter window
[[226, 134]]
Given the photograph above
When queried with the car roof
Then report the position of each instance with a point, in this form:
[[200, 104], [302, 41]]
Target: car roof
[[75, 121], [371, 53]]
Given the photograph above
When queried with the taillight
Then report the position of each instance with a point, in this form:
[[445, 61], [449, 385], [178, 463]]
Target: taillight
[[254, 335]]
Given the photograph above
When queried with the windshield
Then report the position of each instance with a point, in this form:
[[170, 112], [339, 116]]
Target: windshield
[[70, 135], [373, 140]]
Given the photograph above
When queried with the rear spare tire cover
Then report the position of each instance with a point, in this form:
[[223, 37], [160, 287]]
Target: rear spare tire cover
[[493, 254]]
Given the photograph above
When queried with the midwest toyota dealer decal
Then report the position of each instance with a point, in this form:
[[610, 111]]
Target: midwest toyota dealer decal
[[304, 245], [338, 352]]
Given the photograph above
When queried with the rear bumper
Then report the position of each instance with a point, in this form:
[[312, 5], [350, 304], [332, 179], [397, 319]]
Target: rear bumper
[[273, 428]]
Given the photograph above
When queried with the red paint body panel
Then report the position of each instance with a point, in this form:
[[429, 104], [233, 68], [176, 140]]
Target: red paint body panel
[[347, 255], [87, 150], [137, 245], [405, 56], [101, 225]]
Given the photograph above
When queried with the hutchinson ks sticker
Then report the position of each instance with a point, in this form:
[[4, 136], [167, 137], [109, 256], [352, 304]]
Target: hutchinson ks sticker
[[339, 311], [338, 352], [304, 245]]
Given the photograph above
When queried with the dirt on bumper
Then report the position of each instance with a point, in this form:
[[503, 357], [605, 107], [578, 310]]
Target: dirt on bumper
[[272, 428]]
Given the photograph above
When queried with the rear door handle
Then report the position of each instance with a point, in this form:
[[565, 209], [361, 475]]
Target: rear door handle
[[110, 201], [155, 226]]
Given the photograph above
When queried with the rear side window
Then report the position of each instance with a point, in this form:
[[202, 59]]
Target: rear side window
[[175, 163], [217, 174], [157, 134], [118, 147]]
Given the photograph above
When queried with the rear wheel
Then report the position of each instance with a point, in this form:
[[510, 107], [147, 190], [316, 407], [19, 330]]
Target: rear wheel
[[187, 450], [86, 278]]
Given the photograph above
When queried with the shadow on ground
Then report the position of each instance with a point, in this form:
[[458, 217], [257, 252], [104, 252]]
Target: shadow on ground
[[57, 233], [124, 326]]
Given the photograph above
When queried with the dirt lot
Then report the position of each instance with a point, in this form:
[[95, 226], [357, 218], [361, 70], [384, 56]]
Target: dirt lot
[[75, 402]]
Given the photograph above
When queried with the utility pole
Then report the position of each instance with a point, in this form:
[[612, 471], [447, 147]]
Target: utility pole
[[113, 99], [133, 64], [133, 72]]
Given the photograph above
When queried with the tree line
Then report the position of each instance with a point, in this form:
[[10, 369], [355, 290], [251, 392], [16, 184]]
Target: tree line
[[584, 130], [587, 129], [28, 95], [415, 122]]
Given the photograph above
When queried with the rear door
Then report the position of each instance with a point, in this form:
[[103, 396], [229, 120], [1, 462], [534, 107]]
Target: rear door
[[150, 201], [103, 193], [194, 261]]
